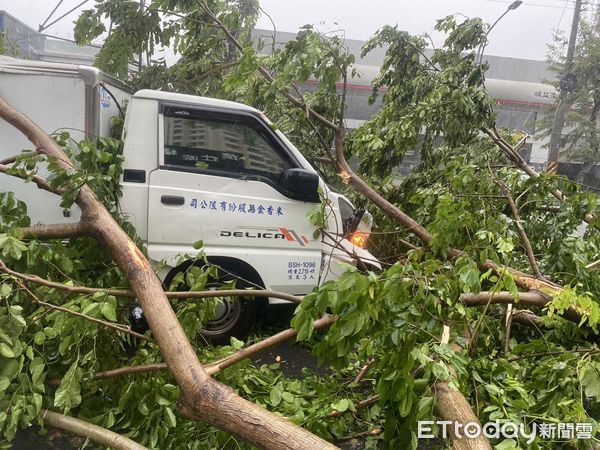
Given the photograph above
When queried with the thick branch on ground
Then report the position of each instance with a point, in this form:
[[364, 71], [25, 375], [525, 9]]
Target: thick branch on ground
[[202, 396], [525, 298], [102, 436], [56, 231], [524, 239], [452, 405]]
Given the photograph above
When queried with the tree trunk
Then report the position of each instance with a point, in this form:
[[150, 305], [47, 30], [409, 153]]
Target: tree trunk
[[201, 397]]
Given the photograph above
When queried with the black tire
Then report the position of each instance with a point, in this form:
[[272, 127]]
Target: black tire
[[233, 316]]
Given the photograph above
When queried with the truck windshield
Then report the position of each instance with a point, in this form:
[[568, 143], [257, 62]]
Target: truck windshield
[[219, 144]]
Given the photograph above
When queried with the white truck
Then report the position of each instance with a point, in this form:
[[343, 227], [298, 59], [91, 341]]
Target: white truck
[[195, 169]]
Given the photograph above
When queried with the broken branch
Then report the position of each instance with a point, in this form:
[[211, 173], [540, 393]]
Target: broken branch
[[40, 181], [57, 231], [524, 239], [94, 432], [128, 293], [112, 326]]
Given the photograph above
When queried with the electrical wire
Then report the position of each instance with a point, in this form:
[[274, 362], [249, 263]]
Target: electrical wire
[[42, 28], [529, 4], [561, 16]]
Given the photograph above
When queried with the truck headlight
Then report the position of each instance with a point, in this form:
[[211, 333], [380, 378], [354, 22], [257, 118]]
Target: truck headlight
[[359, 238]]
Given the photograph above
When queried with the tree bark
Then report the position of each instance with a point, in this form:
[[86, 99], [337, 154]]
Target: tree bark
[[453, 406], [526, 298], [202, 397], [56, 231], [97, 434]]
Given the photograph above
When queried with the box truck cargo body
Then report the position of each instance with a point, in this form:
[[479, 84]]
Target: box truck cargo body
[[56, 97]]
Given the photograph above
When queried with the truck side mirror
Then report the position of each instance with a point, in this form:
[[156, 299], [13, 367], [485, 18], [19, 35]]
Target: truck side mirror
[[301, 184]]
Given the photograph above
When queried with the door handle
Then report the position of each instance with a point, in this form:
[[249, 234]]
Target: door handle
[[172, 200]]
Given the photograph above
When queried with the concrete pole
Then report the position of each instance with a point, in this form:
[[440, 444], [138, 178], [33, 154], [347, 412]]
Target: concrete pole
[[563, 104]]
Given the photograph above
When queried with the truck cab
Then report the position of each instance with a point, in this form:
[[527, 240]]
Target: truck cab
[[212, 170]]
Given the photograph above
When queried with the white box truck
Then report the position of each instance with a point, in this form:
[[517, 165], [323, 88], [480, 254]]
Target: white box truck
[[195, 169]]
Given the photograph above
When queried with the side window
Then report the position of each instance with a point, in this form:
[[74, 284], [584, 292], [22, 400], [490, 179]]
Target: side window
[[223, 144]]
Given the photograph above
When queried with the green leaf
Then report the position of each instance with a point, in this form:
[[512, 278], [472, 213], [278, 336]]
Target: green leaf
[[5, 290], [591, 381], [10, 368], [341, 405], [6, 351], [275, 397], [440, 371], [170, 418], [108, 311], [288, 397], [39, 338], [68, 393], [143, 409], [507, 444]]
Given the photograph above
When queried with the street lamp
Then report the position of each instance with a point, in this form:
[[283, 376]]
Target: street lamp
[[514, 5], [511, 7]]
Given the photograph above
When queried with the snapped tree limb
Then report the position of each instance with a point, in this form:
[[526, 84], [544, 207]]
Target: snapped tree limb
[[217, 366], [527, 298], [96, 433], [56, 231], [113, 326]]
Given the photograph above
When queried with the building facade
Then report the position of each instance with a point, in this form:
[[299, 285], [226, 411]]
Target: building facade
[[22, 41]]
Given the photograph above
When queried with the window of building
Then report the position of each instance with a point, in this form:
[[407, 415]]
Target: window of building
[[515, 118]]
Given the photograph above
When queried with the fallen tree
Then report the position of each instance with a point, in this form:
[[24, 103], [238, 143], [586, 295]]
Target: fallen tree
[[202, 397], [469, 232]]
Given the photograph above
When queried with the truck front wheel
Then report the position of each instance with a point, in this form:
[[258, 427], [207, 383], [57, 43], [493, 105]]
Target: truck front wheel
[[234, 316]]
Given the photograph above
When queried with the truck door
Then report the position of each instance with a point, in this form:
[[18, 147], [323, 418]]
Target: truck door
[[219, 181]]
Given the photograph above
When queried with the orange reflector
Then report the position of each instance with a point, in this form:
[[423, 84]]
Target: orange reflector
[[359, 239]]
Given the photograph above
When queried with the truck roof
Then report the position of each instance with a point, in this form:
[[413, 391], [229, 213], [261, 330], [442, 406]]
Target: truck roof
[[194, 100], [90, 74]]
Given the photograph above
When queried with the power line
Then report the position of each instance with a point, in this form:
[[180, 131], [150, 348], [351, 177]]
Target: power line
[[530, 4], [561, 16], [42, 28]]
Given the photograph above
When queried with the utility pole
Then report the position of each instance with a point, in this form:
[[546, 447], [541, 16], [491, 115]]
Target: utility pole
[[567, 84], [142, 4]]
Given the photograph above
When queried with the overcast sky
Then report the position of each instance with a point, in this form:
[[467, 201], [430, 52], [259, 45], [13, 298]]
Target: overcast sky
[[522, 33]]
